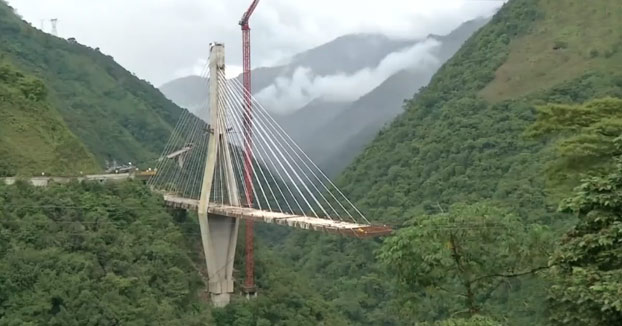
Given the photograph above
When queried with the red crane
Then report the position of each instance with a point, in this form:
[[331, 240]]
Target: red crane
[[249, 282]]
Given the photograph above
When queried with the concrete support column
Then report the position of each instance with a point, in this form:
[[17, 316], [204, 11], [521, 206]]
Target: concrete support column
[[218, 233]]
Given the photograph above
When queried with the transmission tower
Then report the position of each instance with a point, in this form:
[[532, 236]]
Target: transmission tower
[[54, 22]]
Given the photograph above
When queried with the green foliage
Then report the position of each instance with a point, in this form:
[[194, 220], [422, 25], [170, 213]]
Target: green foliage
[[450, 145], [458, 262], [33, 89], [571, 38], [456, 144], [473, 321], [89, 254], [115, 114], [587, 279], [587, 135], [33, 137]]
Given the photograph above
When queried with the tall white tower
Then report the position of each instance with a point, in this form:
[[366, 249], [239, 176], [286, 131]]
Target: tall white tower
[[54, 22]]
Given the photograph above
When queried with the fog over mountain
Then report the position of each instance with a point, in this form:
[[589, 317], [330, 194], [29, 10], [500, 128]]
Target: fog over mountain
[[334, 98], [166, 39], [291, 93]]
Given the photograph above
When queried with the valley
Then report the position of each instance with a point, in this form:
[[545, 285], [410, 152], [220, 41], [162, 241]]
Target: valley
[[492, 152]]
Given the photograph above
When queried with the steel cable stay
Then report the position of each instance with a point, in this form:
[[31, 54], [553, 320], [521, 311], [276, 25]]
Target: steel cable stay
[[237, 151], [294, 171], [191, 140], [261, 130], [236, 156], [261, 121], [255, 174], [163, 167], [284, 168], [178, 131], [259, 148], [266, 158], [304, 157]]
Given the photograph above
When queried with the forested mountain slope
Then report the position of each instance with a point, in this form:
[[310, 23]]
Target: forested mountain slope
[[456, 165], [33, 136], [91, 254], [116, 115], [335, 144], [334, 130], [462, 140]]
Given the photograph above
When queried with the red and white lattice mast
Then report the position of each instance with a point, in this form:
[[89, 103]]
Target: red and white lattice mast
[[249, 282]]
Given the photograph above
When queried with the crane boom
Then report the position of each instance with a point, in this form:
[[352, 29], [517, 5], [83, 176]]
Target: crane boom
[[247, 15], [249, 282]]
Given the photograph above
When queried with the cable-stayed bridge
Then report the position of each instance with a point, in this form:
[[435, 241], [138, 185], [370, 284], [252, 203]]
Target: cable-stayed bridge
[[241, 165]]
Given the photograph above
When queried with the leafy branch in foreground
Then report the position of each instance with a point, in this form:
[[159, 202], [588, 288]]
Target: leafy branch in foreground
[[587, 277], [458, 260]]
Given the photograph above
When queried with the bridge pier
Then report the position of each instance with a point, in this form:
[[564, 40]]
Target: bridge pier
[[219, 234]]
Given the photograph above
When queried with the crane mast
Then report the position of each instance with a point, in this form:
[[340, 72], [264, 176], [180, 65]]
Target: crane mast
[[249, 282]]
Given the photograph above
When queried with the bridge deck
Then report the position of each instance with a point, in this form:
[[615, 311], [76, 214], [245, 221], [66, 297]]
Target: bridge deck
[[295, 221]]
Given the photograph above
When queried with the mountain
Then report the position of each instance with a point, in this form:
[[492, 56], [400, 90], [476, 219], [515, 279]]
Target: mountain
[[340, 55], [187, 92], [336, 143], [467, 124], [462, 140], [333, 131], [343, 54], [106, 254], [33, 137], [116, 115]]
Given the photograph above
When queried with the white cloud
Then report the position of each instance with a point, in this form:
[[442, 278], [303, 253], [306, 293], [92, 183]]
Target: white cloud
[[287, 94], [157, 39]]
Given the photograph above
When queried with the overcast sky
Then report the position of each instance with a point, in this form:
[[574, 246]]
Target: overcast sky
[[160, 40]]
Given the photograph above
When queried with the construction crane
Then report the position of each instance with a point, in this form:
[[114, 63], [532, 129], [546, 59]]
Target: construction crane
[[249, 282]]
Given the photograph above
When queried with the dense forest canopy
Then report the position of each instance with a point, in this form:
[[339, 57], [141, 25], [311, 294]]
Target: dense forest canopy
[[463, 141], [33, 137], [87, 254], [92, 254], [477, 176]]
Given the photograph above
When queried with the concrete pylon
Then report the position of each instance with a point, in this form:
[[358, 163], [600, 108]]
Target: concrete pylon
[[219, 234]]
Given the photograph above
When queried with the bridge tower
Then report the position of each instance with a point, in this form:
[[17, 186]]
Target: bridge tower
[[219, 234]]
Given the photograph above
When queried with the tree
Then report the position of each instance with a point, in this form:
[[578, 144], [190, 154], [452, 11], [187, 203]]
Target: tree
[[473, 321], [587, 136], [93, 254], [454, 262], [587, 276]]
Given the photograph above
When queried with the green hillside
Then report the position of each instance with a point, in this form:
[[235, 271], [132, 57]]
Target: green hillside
[[91, 254], [33, 136], [564, 44], [464, 175], [461, 141], [115, 114]]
